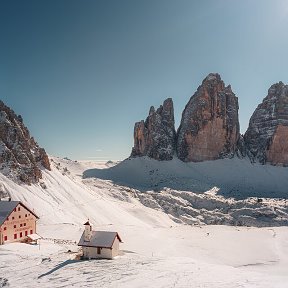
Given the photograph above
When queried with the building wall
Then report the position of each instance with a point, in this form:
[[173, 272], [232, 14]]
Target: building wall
[[107, 253], [91, 253], [19, 224], [115, 248]]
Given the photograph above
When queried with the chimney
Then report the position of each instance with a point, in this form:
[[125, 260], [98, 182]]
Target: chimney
[[87, 231]]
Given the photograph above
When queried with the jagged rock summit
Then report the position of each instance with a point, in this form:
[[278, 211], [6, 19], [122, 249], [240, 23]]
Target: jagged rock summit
[[266, 138], [20, 156], [209, 126], [156, 137]]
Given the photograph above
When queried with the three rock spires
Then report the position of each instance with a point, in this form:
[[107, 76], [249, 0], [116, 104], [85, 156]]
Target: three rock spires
[[209, 127]]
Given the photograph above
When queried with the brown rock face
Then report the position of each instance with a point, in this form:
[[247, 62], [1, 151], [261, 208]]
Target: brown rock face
[[278, 151], [156, 136], [209, 126], [266, 138], [20, 156]]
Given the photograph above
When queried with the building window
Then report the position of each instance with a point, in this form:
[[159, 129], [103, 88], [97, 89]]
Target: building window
[[7, 218], [14, 226], [24, 224], [15, 236], [26, 233], [15, 209], [18, 208], [19, 216], [5, 228], [12, 218], [25, 215], [20, 234], [5, 238], [21, 225], [98, 250], [31, 231]]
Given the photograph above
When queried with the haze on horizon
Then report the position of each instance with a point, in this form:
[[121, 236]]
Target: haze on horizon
[[82, 73]]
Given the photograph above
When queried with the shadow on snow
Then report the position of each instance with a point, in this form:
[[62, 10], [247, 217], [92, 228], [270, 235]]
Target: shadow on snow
[[236, 178]]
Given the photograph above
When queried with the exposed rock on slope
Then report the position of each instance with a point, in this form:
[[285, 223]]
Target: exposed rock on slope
[[267, 136], [20, 156], [156, 136], [209, 126]]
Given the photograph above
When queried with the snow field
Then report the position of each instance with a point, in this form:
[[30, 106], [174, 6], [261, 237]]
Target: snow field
[[157, 251]]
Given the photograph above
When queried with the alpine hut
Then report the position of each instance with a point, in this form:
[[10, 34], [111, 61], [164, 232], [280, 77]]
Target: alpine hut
[[17, 221], [99, 244]]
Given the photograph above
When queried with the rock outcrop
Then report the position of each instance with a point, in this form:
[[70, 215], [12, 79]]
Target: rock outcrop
[[266, 138], [20, 156], [209, 126], [156, 137]]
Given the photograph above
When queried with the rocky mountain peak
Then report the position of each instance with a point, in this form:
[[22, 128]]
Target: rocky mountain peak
[[209, 126], [267, 134], [20, 156], [212, 77], [152, 110], [156, 136]]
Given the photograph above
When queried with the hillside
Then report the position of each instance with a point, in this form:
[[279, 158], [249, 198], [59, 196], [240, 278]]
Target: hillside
[[157, 251], [21, 158], [232, 177]]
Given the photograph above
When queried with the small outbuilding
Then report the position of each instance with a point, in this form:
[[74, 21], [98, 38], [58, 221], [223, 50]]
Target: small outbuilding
[[99, 244], [33, 238]]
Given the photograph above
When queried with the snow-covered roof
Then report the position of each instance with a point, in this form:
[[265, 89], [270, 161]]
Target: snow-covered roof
[[34, 236], [103, 239], [6, 207]]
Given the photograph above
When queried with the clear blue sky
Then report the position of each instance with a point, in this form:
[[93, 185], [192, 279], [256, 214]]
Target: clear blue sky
[[81, 73]]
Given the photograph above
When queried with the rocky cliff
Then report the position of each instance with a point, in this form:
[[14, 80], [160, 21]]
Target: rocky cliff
[[209, 126], [156, 137], [20, 156], [266, 138]]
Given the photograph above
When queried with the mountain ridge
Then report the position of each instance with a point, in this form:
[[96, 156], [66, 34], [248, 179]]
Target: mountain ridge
[[21, 158], [210, 128]]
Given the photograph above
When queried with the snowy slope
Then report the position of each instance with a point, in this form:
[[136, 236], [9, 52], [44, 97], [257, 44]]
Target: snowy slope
[[65, 199], [215, 192], [157, 251], [235, 177]]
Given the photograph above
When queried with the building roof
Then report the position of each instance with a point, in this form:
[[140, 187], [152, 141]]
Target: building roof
[[34, 236], [102, 239], [6, 208]]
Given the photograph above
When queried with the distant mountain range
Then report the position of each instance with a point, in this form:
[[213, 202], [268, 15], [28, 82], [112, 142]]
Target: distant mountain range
[[209, 127]]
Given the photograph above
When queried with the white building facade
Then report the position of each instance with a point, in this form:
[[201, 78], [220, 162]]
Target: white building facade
[[99, 244]]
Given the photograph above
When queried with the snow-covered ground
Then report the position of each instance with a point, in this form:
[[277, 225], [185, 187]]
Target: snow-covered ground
[[159, 249], [234, 177]]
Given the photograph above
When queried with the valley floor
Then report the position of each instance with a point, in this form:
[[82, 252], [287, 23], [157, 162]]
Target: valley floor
[[180, 256]]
